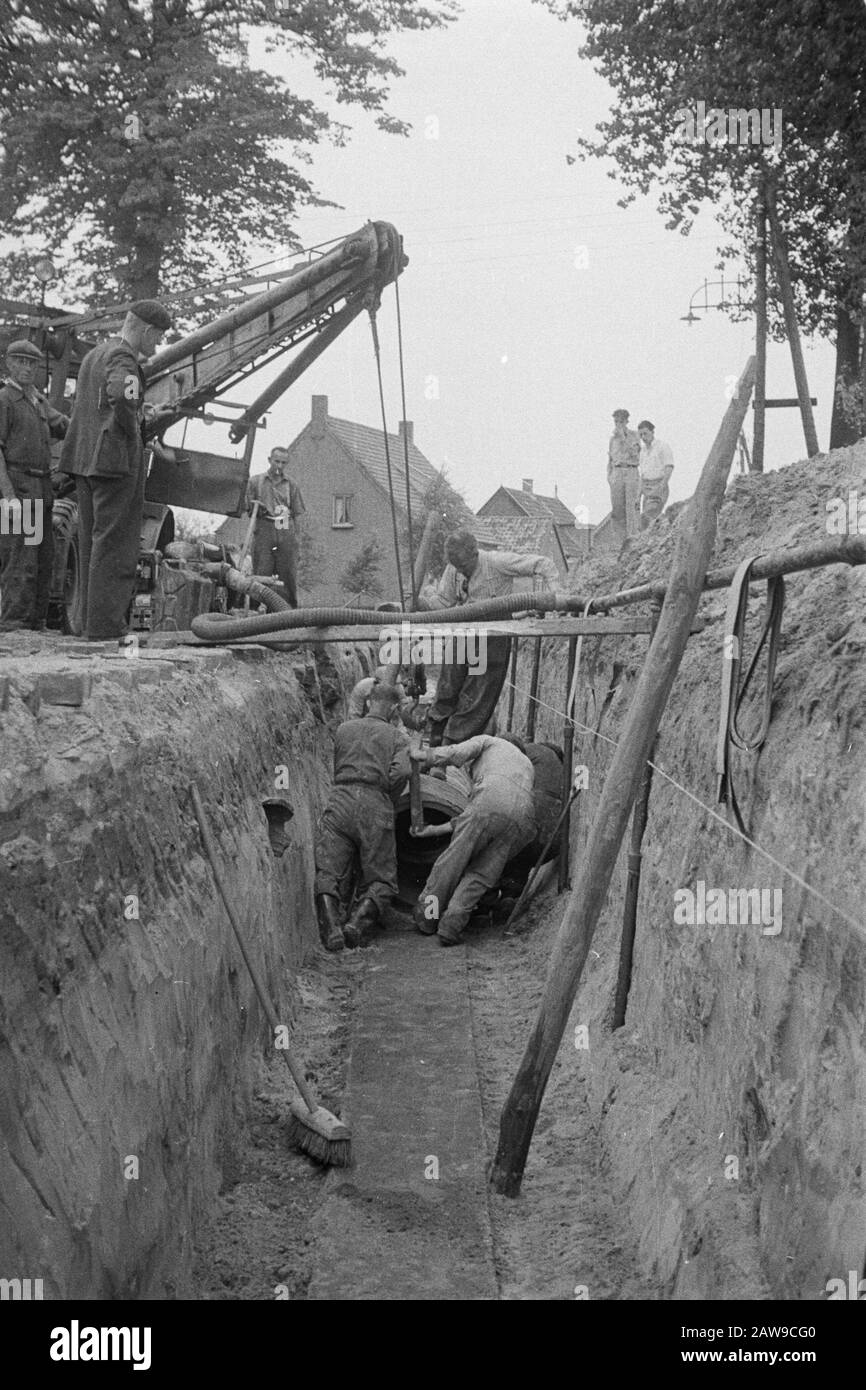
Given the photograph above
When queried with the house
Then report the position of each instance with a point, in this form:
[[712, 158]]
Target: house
[[575, 536], [342, 471]]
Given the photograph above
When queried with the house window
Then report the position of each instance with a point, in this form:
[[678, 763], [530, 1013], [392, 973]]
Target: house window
[[343, 506]]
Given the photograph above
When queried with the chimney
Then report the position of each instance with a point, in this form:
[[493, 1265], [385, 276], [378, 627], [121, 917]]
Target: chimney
[[527, 484], [319, 416], [406, 428]]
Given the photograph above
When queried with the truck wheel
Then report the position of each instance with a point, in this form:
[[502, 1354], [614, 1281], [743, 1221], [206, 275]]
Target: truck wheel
[[66, 574]]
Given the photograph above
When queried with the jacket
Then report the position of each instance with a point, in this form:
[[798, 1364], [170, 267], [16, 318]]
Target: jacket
[[27, 425], [105, 437]]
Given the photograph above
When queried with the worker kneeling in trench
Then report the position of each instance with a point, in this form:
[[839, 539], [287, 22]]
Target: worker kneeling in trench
[[497, 823], [371, 767]]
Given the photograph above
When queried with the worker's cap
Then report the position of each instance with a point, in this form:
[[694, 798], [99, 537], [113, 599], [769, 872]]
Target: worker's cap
[[646, 425], [383, 694], [620, 415], [22, 347], [152, 312]]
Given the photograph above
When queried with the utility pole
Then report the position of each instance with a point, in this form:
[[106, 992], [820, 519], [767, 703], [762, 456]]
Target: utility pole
[[783, 274], [760, 322], [863, 365]]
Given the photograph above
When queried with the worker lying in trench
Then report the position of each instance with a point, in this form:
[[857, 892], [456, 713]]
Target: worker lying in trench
[[498, 821], [371, 768]]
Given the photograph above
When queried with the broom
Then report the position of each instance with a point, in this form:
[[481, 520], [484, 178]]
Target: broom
[[312, 1128]]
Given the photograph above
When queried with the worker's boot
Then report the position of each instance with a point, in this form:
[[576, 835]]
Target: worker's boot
[[361, 923], [330, 931]]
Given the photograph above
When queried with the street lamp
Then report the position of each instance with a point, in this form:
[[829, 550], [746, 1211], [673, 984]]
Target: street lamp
[[723, 301], [45, 271]]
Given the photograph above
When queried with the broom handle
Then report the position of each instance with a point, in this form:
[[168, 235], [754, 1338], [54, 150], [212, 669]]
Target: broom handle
[[211, 850]]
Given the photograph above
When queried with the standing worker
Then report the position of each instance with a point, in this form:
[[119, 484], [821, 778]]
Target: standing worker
[[275, 543], [371, 768], [465, 701], [27, 426], [104, 451], [623, 455], [655, 468], [497, 822]]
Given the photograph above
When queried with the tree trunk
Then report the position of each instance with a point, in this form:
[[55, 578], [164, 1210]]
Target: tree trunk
[[847, 359]]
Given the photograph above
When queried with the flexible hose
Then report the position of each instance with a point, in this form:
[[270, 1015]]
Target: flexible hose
[[218, 627], [226, 574]]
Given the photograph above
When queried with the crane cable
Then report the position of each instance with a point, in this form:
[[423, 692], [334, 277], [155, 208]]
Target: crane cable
[[377, 355], [406, 447]]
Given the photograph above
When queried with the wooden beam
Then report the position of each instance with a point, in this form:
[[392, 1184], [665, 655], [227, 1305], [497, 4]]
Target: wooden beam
[[691, 557], [783, 275], [757, 465]]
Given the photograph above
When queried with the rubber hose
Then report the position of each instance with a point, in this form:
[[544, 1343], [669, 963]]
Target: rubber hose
[[226, 574], [218, 627]]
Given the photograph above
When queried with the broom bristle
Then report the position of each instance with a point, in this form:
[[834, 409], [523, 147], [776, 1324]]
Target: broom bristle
[[321, 1135]]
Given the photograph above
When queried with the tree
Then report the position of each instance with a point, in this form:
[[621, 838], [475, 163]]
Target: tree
[[454, 512], [803, 57], [311, 554], [138, 139], [362, 574]]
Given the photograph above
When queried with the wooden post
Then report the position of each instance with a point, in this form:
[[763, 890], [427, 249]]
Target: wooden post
[[757, 465], [533, 691], [783, 274], [691, 558], [567, 772], [515, 644], [632, 886], [863, 367]]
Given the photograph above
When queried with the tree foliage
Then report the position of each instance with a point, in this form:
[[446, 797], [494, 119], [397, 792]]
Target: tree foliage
[[362, 573], [804, 57], [138, 138]]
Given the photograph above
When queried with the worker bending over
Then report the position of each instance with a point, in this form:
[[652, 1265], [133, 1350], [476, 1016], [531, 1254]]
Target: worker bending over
[[371, 768], [496, 823], [465, 701]]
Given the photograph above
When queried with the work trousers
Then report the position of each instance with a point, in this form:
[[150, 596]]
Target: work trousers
[[275, 551], [109, 537], [25, 569], [654, 498], [486, 835], [357, 825], [464, 702], [624, 495]]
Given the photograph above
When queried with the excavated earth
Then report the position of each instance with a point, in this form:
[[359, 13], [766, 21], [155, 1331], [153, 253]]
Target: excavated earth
[[710, 1148]]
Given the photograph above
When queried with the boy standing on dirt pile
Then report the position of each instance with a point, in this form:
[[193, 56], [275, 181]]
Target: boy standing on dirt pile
[[497, 822], [371, 768], [655, 469], [27, 425]]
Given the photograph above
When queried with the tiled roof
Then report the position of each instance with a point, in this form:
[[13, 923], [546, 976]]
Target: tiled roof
[[367, 446], [534, 504], [527, 535]]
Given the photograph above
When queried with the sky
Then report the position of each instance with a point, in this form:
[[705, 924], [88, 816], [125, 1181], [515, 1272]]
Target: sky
[[532, 305]]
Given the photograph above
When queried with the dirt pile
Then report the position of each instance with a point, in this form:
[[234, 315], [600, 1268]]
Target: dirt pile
[[732, 1106]]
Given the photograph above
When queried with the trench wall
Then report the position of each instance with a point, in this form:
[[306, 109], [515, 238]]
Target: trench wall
[[737, 1045], [129, 1032]]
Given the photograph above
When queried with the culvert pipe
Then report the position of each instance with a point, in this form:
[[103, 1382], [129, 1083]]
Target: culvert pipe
[[221, 627], [442, 801]]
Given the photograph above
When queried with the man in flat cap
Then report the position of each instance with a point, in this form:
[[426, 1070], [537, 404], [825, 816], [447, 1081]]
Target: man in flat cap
[[623, 456], [104, 450], [27, 426]]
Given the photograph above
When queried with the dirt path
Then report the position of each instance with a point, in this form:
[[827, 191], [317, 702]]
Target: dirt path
[[280, 1225]]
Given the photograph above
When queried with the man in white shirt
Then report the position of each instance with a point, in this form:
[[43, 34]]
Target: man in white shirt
[[465, 702], [655, 468], [498, 821]]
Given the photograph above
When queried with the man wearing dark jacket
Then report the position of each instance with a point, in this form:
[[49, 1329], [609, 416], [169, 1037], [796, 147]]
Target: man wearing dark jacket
[[27, 425], [371, 767], [104, 450]]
